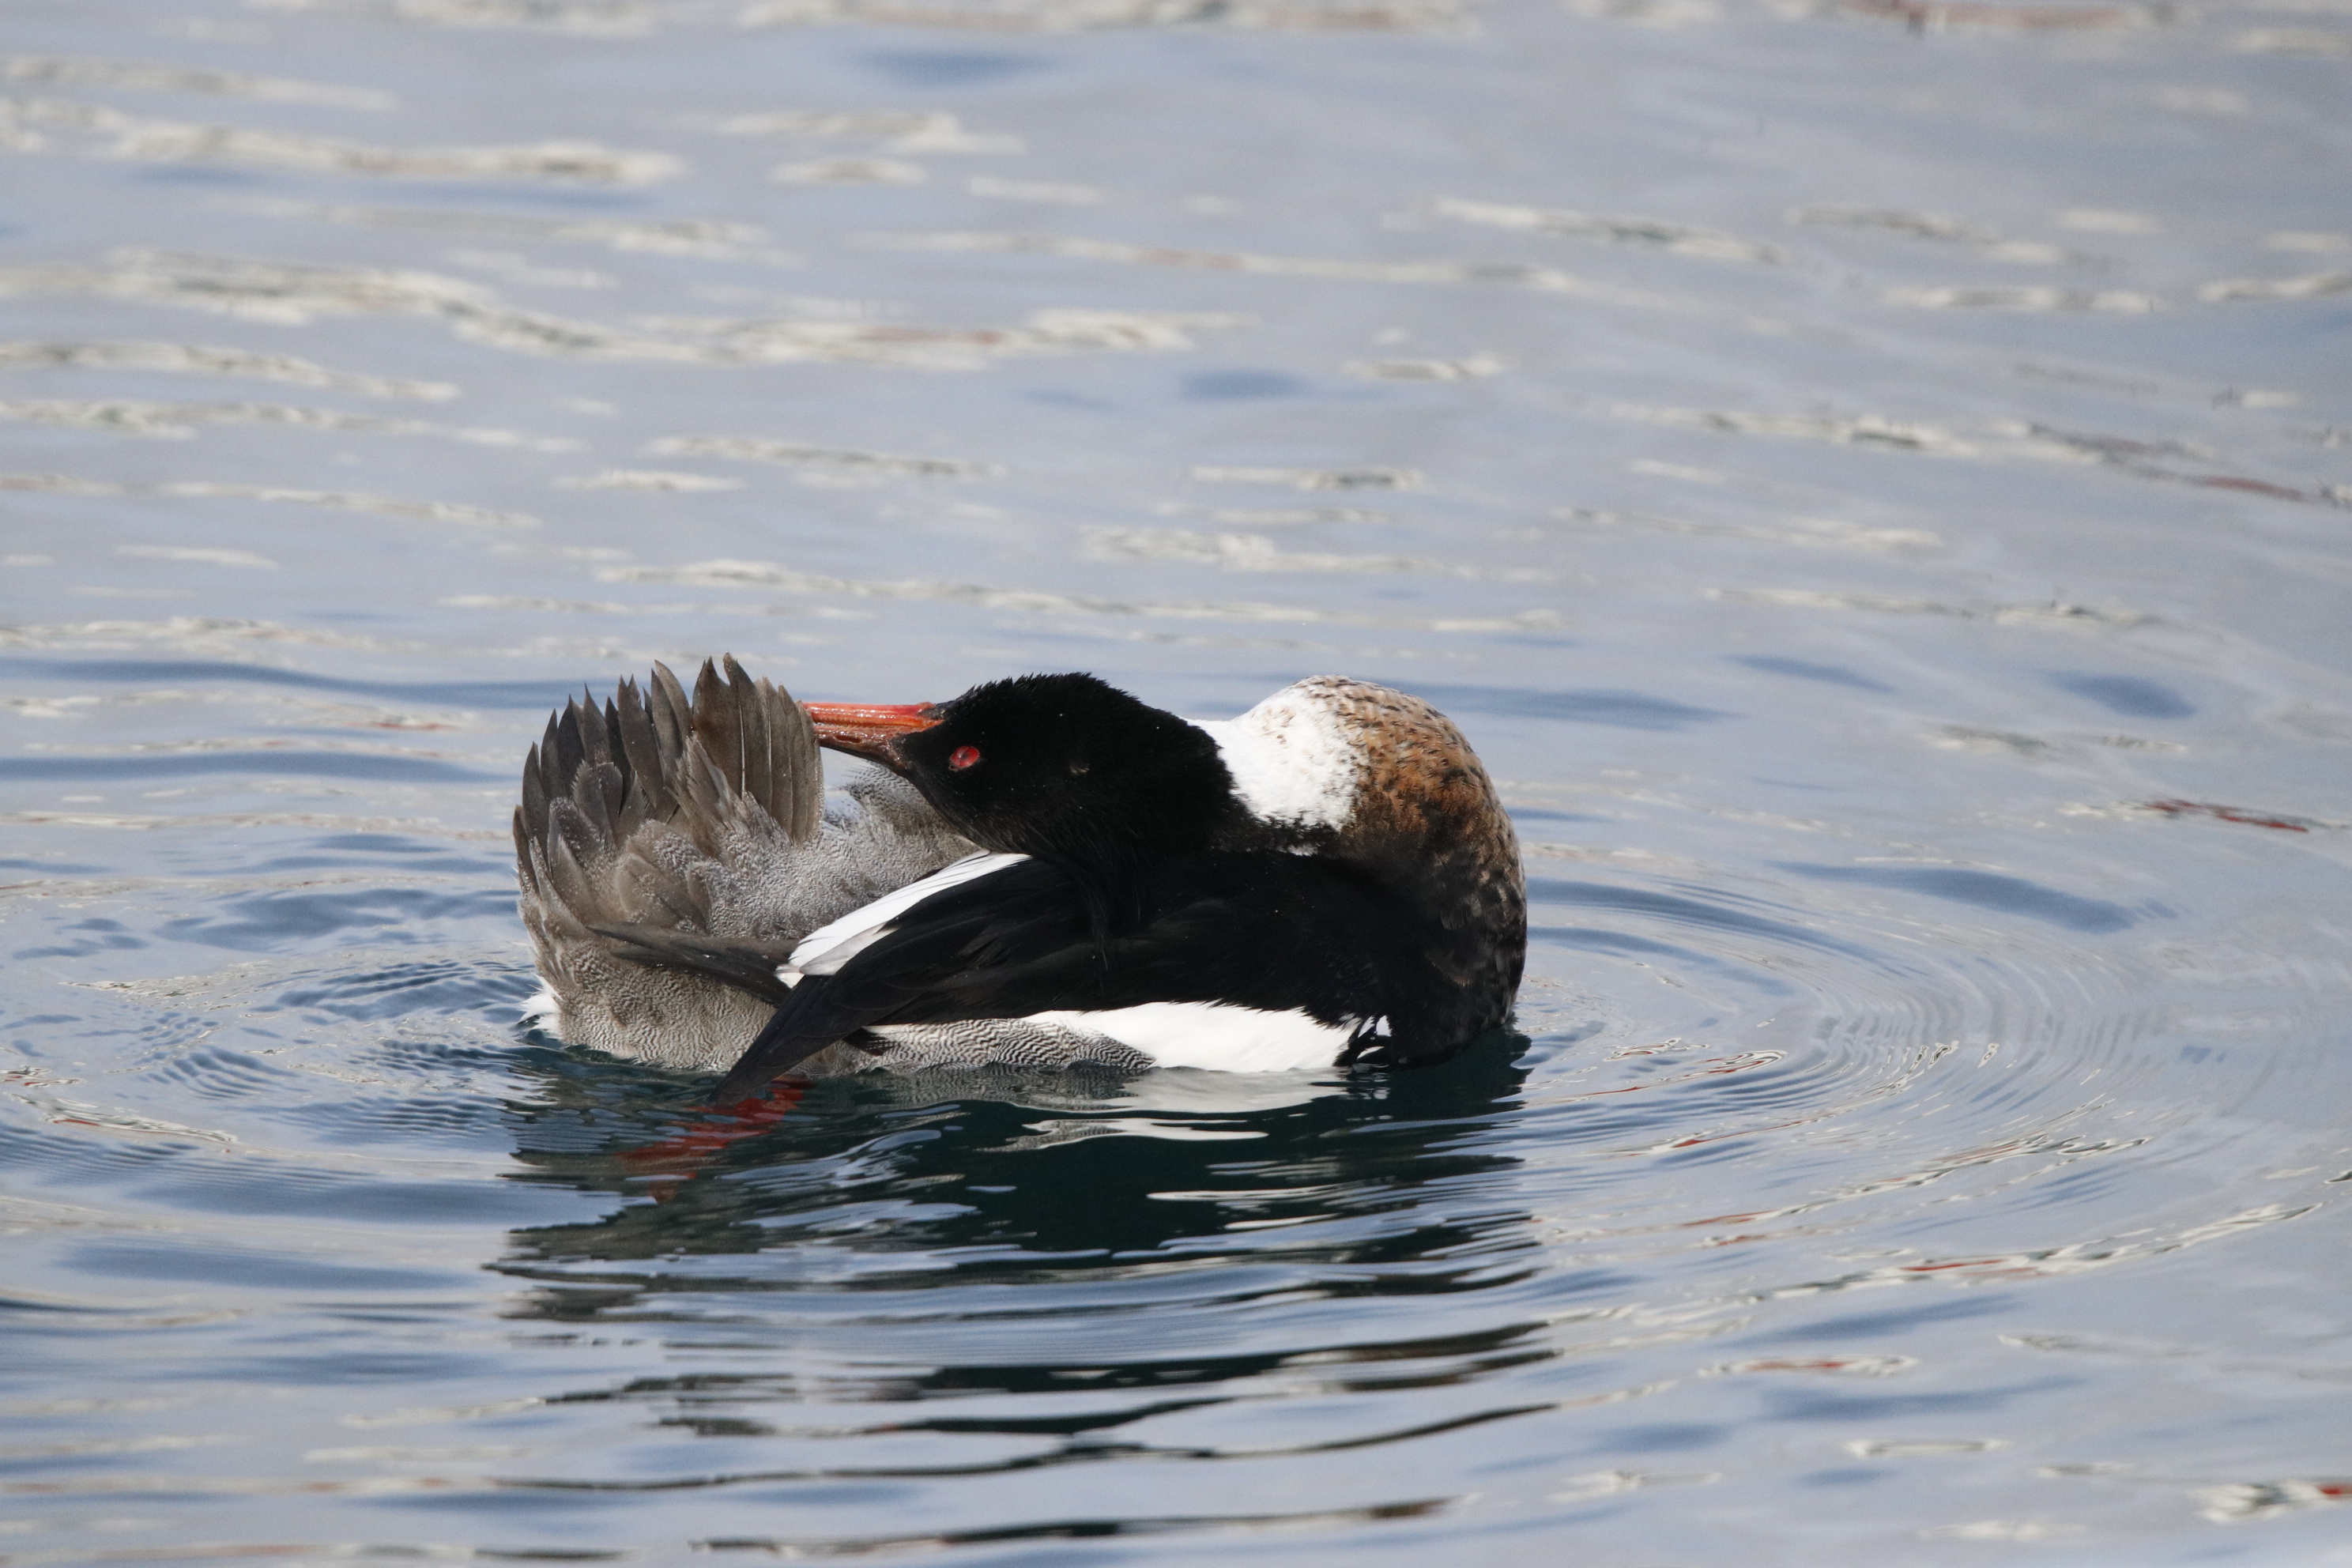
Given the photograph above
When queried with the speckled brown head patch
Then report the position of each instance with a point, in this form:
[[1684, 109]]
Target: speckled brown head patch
[[1425, 819]]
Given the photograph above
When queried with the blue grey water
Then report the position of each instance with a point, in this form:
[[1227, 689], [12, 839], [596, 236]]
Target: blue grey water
[[1870, 477]]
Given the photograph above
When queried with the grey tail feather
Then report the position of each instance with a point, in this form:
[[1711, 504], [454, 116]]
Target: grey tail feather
[[746, 965], [601, 774]]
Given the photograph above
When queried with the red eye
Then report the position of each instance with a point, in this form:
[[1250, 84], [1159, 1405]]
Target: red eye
[[963, 757]]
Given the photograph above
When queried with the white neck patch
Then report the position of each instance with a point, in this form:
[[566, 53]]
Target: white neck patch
[[1292, 761]]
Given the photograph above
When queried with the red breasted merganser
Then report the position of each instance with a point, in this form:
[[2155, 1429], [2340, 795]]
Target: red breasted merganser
[[1043, 871]]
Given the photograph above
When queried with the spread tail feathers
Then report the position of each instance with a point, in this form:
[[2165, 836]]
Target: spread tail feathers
[[668, 845]]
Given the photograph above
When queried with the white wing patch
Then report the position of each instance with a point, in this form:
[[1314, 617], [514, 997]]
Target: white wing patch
[[1291, 760], [870, 922], [1216, 1034]]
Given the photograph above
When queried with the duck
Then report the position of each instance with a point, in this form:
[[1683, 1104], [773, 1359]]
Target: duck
[[1042, 872]]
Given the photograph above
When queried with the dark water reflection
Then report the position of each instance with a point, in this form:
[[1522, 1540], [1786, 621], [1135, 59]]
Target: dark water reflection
[[967, 1238], [974, 1167]]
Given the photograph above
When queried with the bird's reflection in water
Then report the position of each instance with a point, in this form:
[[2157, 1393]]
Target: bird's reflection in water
[[1035, 1270], [996, 1172]]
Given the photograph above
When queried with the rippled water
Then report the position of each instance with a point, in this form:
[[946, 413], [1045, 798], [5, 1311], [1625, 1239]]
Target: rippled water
[[1870, 475]]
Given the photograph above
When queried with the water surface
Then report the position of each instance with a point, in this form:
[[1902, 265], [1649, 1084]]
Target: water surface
[[1870, 476]]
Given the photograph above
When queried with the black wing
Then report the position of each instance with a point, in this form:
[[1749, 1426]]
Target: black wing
[[1275, 931]]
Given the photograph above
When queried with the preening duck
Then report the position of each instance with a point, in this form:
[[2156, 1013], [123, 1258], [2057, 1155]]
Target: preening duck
[[1042, 871]]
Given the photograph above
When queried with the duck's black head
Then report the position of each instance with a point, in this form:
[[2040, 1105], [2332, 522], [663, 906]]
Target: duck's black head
[[1065, 767]]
